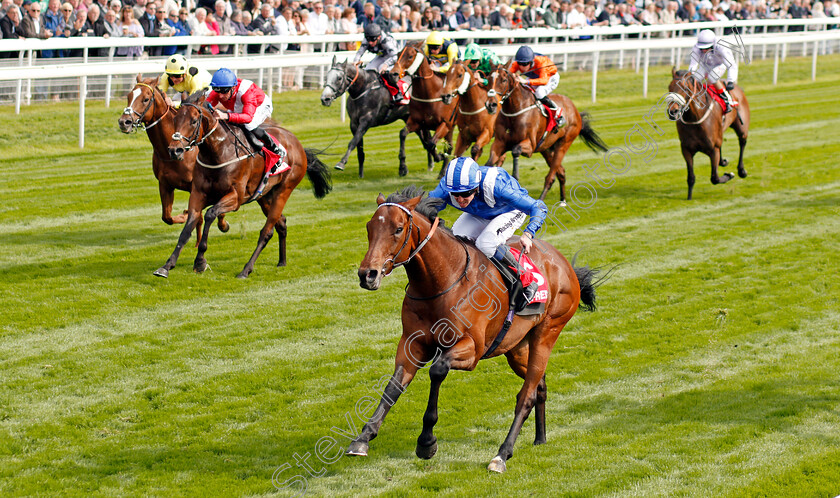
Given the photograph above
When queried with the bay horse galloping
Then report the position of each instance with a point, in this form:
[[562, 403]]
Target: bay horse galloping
[[521, 129], [426, 110], [701, 123], [368, 106], [454, 307], [477, 108], [229, 174], [147, 106]]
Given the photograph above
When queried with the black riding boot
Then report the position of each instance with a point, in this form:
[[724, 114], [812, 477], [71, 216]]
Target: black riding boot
[[262, 135], [561, 120], [511, 270]]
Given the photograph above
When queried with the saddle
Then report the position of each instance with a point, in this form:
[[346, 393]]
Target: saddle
[[401, 85], [717, 95]]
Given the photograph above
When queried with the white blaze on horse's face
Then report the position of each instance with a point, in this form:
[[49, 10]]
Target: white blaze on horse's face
[[418, 59], [135, 93], [382, 219], [465, 84]]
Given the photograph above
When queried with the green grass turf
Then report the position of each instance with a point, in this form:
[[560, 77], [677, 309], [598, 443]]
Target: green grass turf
[[710, 368]]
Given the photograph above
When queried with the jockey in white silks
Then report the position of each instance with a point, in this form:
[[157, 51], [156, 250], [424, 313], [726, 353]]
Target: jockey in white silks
[[710, 59]]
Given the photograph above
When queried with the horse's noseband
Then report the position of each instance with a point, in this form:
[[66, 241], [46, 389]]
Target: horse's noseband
[[135, 123]]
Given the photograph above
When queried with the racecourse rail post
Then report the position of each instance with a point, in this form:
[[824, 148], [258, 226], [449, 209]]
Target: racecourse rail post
[[776, 65], [595, 58]]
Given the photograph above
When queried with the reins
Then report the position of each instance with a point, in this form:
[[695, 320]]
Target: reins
[[130, 110], [420, 246]]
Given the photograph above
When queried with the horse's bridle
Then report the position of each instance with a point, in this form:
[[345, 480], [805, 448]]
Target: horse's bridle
[[513, 86], [673, 97], [394, 264], [343, 79], [135, 123], [193, 139]]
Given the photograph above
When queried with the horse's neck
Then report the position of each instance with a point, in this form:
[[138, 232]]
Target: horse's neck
[[214, 148], [518, 100], [437, 265], [359, 84], [425, 81]]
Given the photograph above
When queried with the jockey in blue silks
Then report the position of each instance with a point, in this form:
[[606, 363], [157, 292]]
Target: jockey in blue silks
[[495, 206]]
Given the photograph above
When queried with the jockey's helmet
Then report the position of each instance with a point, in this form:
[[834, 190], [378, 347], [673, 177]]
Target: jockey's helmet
[[472, 52], [223, 78], [705, 39], [524, 55], [176, 65], [462, 175], [435, 39], [372, 31]]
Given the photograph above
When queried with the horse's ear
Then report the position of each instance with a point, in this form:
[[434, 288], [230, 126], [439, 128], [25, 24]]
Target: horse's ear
[[380, 199], [673, 71], [412, 203], [333, 61], [139, 77], [184, 96]]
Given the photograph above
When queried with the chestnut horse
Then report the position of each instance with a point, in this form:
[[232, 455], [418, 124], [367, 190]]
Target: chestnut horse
[[230, 174], [426, 111], [454, 307], [477, 106], [147, 106], [521, 129], [701, 123]]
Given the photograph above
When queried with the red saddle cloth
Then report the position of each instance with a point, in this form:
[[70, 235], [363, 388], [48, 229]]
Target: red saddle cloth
[[715, 94], [403, 87], [271, 159], [552, 118], [533, 274]]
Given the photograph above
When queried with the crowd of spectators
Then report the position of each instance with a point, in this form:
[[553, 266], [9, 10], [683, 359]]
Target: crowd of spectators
[[171, 18]]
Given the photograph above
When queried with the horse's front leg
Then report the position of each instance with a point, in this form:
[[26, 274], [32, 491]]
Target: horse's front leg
[[193, 218], [272, 205], [689, 166], [228, 203], [403, 135], [407, 364], [461, 356], [715, 179], [358, 130]]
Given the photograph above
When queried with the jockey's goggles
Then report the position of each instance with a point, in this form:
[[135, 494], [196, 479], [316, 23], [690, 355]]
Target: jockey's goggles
[[466, 194], [433, 47], [219, 89]]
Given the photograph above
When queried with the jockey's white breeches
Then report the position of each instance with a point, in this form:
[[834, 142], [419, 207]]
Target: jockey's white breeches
[[543, 90], [489, 234], [262, 113]]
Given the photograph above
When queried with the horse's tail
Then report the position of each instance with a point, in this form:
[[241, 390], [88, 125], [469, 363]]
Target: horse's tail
[[590, 279], [590, 138], [318, 173]]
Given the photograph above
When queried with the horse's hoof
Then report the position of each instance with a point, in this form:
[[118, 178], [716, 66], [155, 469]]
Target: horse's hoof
[[742, 173], [403, 171], [201, 267], [562, 203], [497, 465], [339, 167], [224, 227], [724, 162], [161, 272], [426, 452], [242, 275], [538, 442], [357, 448]]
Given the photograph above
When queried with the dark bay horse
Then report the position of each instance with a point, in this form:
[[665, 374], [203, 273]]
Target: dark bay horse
[[147, 106], [701, 123], [229, 174], [368, 106], [426, 110], [521, 129], [477, 109], [454, 307]]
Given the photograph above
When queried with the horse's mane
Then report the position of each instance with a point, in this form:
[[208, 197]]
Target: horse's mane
[[194, 98], [428, 206]]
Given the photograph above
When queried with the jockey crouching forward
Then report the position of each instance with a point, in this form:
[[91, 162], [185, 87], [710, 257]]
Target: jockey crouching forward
[[386, 50], [494, 206], [247, 107], [709, 60], [440, 51], [481, 59], [541, 75], [182, 76]]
